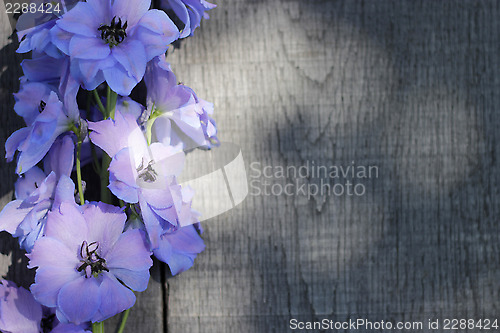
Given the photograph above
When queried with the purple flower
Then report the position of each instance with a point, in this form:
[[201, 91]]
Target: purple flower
[[179, 247], [178, 114], [47, 74], [140, 173], [37, 192], [34, 27], [146, 174], [189, 12], [34, 141], [112, 41], [87, 268], [20, 313], [29, 100]]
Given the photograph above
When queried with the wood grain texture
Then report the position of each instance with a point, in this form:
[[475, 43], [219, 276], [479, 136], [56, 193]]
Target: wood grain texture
[[409, 86]]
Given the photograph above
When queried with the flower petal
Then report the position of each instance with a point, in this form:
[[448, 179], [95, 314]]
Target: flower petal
[[42, 255], [130, 252], [130, 10], [156, 30], [114, 135], [105, 223], [88, 48], [60, 157], [15, 140], [49, 281], [29, 183], [79, 300], [82, 20], [123, 167], [115, 297], [61, 39], [12, 215], [119, 81], [135, 280], [152, 222], [123, 191], [67, 225], [132, 56], [20, 313], [180, 248]]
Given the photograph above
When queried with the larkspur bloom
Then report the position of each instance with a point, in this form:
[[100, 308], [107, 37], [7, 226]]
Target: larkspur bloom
[[53, 74], [112, 41], [35, 140], [146, 175], [179, 247], [188, 12], [87, 268], [34, 26], [20, 313], [37, 192], [178, 114]]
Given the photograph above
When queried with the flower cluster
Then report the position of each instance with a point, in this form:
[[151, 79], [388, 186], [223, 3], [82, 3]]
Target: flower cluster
[[91, 240]]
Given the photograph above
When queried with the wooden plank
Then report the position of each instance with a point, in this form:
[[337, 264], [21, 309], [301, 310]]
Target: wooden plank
[[408, 86]]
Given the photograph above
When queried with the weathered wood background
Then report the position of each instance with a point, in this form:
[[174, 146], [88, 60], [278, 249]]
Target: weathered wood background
[[412, 87]]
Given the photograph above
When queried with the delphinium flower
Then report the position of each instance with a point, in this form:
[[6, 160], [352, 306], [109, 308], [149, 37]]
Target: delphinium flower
[[45, 72], [179, 247], [33, 26], [86, 265], [112, 41], [146, 175], [188, 12], [35, 140], [20, 313], [37, 192], [177, 114]]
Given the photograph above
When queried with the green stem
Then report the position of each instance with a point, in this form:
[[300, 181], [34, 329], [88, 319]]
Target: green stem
[[99, 103], [108, 100], [98, 327], [149, 126], [79, 171], [78, 163], [112, 106], [124, 321]]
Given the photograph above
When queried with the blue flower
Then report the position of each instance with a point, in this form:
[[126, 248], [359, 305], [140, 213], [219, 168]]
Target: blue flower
[[34, 29], [20, 313], [37, 193], [140, 173], [29, 100], [178, 247], [87, 268], [189, 12], [54, 74], [146, 175], [34, 141], [112, 41], [178, 114]]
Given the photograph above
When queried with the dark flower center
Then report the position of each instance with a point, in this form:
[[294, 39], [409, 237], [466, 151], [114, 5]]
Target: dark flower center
[[41, 106], [148, 174], [92, 263], [114, 33]]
